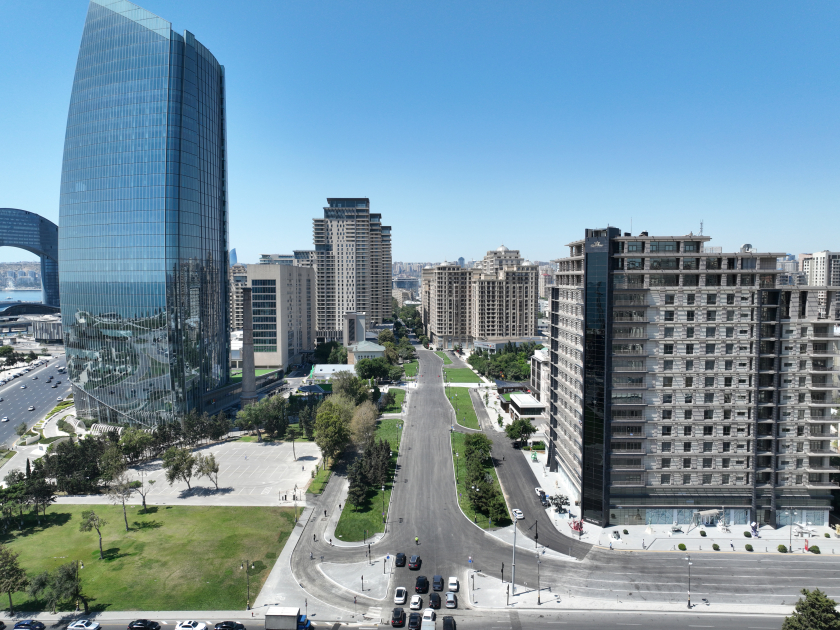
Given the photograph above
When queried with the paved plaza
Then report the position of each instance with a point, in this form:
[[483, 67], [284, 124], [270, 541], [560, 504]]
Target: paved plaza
[[251, 473]]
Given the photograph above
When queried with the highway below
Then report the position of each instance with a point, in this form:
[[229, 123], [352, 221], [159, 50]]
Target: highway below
[[38, 393]]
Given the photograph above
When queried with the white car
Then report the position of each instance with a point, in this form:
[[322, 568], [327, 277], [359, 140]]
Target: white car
[[31, 408], [399, 595], [453, 584], [416, 603], [5, 419], [83, 624], [518, 515], [539, 490], [23, 386], [429, 614], [191, 625]]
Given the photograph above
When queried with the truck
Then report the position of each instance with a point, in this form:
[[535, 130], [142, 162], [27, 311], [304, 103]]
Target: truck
[[285, 618]]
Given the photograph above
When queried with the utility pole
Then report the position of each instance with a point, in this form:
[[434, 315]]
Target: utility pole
[[513, 564], [536, 534], [538, 578]]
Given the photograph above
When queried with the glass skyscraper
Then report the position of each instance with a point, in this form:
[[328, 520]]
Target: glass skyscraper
[[143, 248]]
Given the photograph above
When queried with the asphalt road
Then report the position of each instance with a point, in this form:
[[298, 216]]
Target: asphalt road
[[38, 393]]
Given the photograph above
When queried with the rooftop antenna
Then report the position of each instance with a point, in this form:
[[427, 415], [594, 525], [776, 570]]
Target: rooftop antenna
[[631, 225], [701, 227]]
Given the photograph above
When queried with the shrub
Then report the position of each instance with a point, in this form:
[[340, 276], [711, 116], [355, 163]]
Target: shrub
[[748, 547], [782, 549], [716, 547], [682, 547], [702, 533], [814, 549], [625, 531], [747, 535], [827, 535]]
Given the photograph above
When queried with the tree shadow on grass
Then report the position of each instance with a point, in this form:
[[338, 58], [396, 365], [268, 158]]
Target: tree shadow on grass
[[144, 525], [114, 554], [31, 526], [151, 509]]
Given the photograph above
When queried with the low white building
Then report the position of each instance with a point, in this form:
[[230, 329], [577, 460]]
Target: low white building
[[364, 350]]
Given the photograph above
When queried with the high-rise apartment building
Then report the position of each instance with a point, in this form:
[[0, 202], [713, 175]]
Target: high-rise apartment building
[[498, 299], [283, 308], [685, 380], [143, 234], [277, 259], [353, 265], [822, 268]]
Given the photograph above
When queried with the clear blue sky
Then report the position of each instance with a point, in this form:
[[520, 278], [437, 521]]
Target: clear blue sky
[[471, 124]]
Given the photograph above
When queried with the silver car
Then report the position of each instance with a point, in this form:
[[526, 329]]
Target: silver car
[[451, 600]]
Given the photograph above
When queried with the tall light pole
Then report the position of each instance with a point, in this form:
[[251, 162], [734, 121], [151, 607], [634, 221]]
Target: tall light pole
[[513, 564], [790, 532], [538, 578], [244, 565], [688, 559], [383, 504], [457, 461]]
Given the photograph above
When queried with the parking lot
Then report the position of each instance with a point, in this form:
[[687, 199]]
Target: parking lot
[[250, 473]]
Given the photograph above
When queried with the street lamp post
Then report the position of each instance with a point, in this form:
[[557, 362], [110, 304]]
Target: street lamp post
[[513, 564], [457, 461], [245, 565], [688, 559], [538, 578], [790, 532], [383, 504]]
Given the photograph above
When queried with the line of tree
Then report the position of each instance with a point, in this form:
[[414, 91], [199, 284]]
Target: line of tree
[[511, 363], [279, 418], [331, 352], [369, 471], [10, 358], [483, 494]]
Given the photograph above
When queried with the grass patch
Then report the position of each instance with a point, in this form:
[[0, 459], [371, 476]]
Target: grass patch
[[479, 518], [442, 355], [396, 407], [355, 525], [410, 368], [459, 398], [236, 375], [461, 375], [320, 481], [190, 555], [62, 405], [506, 396]]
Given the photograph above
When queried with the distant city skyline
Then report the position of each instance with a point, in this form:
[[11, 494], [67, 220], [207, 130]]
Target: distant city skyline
[[651, 115]]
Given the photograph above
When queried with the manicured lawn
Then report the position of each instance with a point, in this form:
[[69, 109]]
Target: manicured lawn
[[481, 519], [459, 397], [353, 523], [506, 396], [188, 555], [236, 375], [399, 397], [461, 375], [320, 482], [442, 355], [410, 368]]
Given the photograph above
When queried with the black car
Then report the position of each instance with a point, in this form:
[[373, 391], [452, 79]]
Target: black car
[[143, 624], [414, 621], [434, 601], [448, 623], [29, 624], [229, 625], [421, 585], [414, 562], [400, 560], [437, 582], [398, 617]]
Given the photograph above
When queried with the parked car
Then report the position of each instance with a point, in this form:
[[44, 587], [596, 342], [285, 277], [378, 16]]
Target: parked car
[[29, 624], [414, 621], [415, 562], [453, 584], [398, 617], [434, 601], [229, 625], [400, 594], [448, 623], [144, 624], [518, 515], [83, 624], [437, 582], [416, 602], [429, 614], [5, 419], [191, 625], [421, 585], [451, 600], [400, 560]]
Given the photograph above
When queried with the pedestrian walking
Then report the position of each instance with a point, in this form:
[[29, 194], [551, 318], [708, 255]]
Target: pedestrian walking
[[732, 545], [416, 540], [610, 545], [313, 537], [325, 514], [331, 542], [643, 543]]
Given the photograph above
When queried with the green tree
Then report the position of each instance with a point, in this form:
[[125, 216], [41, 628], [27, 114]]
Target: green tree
[[21, 429], [351, 386], [119, 491], [135, 443], [306, 419], [332, 430], [816, 612], [395, 373], [207, 466], [520, 429], [12, 577], [67, 585], [179, 464], [292, 434], [91, 521], [323, 351], [386, 336], [338, 355], [372, 368], [250, 418], [112, 462], [363, 424]]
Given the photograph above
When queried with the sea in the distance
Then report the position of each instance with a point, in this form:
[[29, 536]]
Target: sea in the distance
[[10, 295]]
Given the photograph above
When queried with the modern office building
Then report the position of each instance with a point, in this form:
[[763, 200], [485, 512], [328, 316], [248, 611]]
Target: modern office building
[[143, 244], [686, 380], [353, 265], [29, 231], [283, 308], [496, 300]]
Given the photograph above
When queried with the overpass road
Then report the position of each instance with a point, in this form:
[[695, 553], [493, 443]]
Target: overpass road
[[424, 505]]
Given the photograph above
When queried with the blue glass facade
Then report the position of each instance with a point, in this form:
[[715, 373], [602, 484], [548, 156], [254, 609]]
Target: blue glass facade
[[34, 233], [143, 216]]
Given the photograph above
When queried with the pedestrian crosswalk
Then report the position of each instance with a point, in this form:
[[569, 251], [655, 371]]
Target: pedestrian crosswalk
[[374, 612]]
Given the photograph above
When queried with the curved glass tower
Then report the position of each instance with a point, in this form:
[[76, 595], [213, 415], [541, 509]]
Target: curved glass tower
[[143, 220]]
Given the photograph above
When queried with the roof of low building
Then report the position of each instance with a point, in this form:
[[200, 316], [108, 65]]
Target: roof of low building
[[365, 346], [525, 400], [326, 370]]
